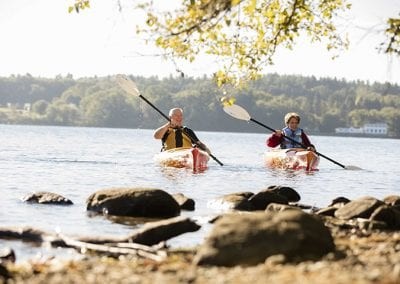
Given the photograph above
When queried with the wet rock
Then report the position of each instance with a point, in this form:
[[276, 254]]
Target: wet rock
[[339, 201], [262, 199], [233, 201], [302, 206], [248, 239], [388, 215], [4, 273], [23, 233], [328, 211], [368, 225], [393, 200], [291, 194], [276, 207], [155, 232], [44, 197], [359, 208], [184, 202], [134, 202], [7, 255]]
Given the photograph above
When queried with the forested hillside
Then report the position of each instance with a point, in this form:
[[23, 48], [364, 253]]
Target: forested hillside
[[323, 104]]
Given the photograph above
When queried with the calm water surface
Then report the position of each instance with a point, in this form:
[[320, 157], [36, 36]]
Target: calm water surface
[[75, 162]]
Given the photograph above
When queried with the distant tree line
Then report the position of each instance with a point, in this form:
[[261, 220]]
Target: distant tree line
[[323, 104]]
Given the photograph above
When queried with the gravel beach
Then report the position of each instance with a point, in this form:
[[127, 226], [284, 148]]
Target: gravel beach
[[360, 257]]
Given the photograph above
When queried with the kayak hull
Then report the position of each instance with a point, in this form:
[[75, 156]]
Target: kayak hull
[[189, 158], [292, 159]]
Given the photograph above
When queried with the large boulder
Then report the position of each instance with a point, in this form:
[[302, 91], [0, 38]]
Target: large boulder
[[134, 202], [248, 239]]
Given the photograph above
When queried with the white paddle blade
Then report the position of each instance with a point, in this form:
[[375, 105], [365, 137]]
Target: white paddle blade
[[127, 85], [237, 112]]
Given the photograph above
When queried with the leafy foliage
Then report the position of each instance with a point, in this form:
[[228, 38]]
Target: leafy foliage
[[79, 5], [243, 34], [392, 46]]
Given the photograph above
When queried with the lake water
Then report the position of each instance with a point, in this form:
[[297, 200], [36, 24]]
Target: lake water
[[75, 162]]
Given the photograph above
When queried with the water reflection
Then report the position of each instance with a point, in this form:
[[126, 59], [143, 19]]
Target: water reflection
[[288, 174], [176, 174]]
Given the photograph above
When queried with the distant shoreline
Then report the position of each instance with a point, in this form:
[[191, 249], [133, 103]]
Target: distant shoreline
[[228, 131], [356, 135]]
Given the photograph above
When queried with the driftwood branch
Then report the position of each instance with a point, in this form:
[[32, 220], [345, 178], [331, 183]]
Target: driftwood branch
[[117, 249], [147, 242]]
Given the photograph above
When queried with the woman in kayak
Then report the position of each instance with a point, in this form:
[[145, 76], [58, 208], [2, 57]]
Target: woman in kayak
[[174, 135], [298, 138]]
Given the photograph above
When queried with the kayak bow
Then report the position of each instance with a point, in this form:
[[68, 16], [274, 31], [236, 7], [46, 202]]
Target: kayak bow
[[190, 158], [292, 159]]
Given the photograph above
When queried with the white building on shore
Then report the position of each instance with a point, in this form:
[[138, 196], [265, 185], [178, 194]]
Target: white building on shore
[[380, 129]]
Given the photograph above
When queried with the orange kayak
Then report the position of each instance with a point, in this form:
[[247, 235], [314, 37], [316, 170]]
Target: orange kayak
[[292, 159], [190, 158]]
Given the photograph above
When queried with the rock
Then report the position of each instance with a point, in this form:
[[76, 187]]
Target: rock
[[4, 273], [154, 232], [260, 200], [248, 239], [339, 201], [184, 202], [388, 215], [302, 206], [393, 200], [44, 197], [233, 201], [291, 194], [328, 211], [24, 233], [134, 202], [7, 255], [368, 225], [359, 208], [276, 207]]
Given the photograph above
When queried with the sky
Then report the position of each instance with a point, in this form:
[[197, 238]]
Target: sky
[[41, 38]]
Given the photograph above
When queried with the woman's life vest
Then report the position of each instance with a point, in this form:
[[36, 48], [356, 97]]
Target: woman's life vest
[[295, 135], [176, 137]]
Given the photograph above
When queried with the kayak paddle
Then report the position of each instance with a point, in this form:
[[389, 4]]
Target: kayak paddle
[[240, 113], [130, 87]]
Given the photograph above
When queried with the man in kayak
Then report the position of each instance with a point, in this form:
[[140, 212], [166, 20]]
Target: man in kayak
[[173, 134], [292, 130]]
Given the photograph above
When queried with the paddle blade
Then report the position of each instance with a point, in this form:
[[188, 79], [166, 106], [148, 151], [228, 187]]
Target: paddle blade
[[237, 112], [127, 85], [353, 168]]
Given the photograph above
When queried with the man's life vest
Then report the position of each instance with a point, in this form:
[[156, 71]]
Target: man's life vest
[[295, 135], [176, 137]]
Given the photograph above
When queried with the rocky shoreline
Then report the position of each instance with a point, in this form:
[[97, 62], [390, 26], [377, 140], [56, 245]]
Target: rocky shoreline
[[369, 258], [266, 237]]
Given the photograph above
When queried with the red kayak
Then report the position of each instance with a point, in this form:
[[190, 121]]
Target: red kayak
[[292, 159], [190, 158]]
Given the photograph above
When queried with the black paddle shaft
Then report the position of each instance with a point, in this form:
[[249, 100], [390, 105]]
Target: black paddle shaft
[[301, 144], [153, 106]]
